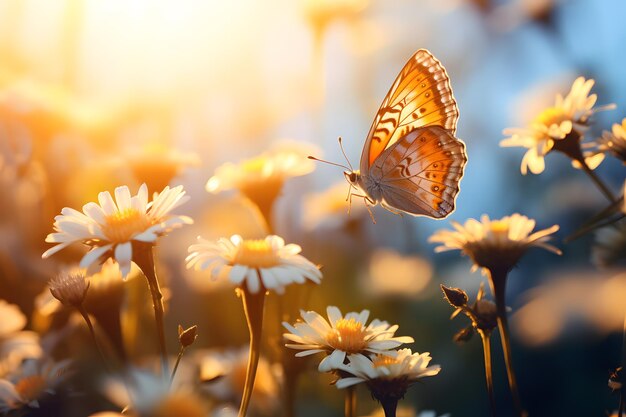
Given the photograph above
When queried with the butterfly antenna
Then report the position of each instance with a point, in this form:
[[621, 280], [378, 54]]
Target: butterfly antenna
[[328, 162], [344, 153]]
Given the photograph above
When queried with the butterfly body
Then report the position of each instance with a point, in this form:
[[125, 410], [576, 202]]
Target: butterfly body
[[411, 161]]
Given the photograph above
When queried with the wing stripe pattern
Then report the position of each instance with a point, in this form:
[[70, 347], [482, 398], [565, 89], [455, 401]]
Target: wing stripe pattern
[[420, 96]]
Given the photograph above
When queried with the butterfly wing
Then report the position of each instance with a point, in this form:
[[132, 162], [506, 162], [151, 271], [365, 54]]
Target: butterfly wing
[[420, 96], [420, 173]]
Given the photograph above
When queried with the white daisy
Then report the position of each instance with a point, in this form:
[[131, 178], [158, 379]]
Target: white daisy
[[555, 124], [266, 264], [111, 227], [341, 336], [34, 379], [401, 366], [494, 244]]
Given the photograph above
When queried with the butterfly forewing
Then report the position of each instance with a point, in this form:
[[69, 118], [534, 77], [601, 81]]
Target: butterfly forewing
[[420, 173], [420, 96]]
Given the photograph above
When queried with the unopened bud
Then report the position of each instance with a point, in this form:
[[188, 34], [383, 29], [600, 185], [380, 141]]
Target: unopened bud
[[70, 288], [186, 337], [455, 296]]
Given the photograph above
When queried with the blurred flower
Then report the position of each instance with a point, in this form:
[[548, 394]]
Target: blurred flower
[[494, 244], [223, 374], [15, 344], [266, 264], [31, 382], [157, 165], [341, 336], [613, 142], [554, 125], [261, 178], [387, 376], [321, 12], [575, 302], [610, 246], [393, 274], [69, 288], [110, 229], [148, 395], [330, 208]]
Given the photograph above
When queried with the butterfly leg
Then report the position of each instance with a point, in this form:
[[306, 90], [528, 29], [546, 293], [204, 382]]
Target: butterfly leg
[[368, 204]]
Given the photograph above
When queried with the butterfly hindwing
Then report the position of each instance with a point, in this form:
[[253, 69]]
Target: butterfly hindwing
[[420, 173], [420, 96]]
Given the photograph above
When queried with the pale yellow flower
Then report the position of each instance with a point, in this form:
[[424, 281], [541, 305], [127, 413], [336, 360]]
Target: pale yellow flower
[[266, 264], [111, 227], [261, 178], [341, 336], [494, 244], [568, 114], [401, 366], [15, 344], [330, 208], [613, 142]]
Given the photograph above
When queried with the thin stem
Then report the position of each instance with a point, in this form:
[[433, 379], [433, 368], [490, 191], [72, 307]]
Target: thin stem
[[181, 352], [350, 402], [486, 339], [389, 407], [622, 394], [498, 286], [145, 260], [92, 331], [598, 182], [253, 306]]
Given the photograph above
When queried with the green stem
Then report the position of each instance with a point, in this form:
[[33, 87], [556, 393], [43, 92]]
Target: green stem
[[486, 339], [498, 286], [597, 181], [181, 352], [389, 407], [253, 306], [92, 331], [145, 260], [350, 401]]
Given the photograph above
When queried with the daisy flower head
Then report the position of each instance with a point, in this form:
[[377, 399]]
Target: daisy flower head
[[257, 264], [261, 178], [494, 244], [613, 142], [557, 128], [15, 344], [387, 376], [35, 379], [111, 227], [341, 336]]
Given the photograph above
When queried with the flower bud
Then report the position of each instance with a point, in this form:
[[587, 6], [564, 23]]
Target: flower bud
[[455, 296], [186, 337]]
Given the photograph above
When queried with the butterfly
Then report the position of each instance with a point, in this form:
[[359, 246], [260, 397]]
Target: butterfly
[[411, 161]]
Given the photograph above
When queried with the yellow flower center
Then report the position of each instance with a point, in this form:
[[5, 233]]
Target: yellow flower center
[[30, 387], [348, 336], [258, 165], [256, 254], [552, 116], [383, 360], [121, 226], [499, 228]]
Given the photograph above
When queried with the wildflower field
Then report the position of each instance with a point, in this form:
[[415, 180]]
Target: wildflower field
[[312, 208]]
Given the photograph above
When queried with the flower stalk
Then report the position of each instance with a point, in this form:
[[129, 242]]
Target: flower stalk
[[253, 306], [92, 331], [145, 260], [486, 339], [350, 402], [497, 280], [389, 406]]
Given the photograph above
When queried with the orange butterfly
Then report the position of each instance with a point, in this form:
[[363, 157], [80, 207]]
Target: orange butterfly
[[411, 161]]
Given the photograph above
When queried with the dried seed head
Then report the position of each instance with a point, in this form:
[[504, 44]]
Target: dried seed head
[[70, 288]]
